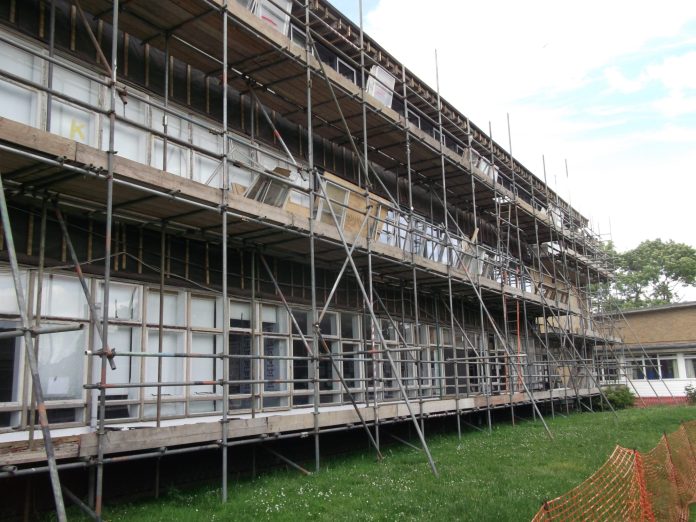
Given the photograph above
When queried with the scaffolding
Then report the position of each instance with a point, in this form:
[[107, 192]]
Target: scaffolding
[[299, 237]]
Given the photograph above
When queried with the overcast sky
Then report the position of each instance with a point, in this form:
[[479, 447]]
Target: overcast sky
[[610, 86]]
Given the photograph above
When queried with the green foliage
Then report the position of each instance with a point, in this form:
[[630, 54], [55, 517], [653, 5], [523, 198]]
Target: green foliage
[[619, 396], [690, 393], [506, 475], [650, 274]]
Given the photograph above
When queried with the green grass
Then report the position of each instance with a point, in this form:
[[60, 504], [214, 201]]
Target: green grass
[[502, 476]]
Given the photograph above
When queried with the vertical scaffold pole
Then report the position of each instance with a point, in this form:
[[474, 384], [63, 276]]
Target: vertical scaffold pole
[[225, 299], [313, 281], [111, 153], [31, 357]]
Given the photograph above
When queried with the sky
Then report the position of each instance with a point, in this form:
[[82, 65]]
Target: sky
[[608, 87]]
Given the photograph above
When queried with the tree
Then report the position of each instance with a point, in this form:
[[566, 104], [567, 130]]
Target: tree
[[652, 273]]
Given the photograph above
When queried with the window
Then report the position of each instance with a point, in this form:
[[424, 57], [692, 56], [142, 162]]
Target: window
[[299, 37], [124, 301], [172, 367], [240, 369], [350, 326], [177, 156], [414, 118], [19, 103], [380, 84], [205, 369], [121, 400], [691, 368], [174, 312], [275, 13], [129, 141], [204, 312], [62, 296], [206, 168], [654, 367], [274, 319], [275, 371], [61, 360], [10, 362], [72, 121], [345, 70], [338, 197], [240, 315]]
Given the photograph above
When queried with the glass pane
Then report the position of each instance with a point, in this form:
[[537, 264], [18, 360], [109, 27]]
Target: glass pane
[[240, 315], [274, 319], [351, 368], [691, 368], [61, 363], [172, 367], [275, 369], [9, 368], [302, 318], [328, 324], [74, 123], [350, 326], [124, 301], [205, 369], [203, 312], [206, 170], [177, 158], [122, 339], [173, 308], [652, 366], [63, 297], [300, 368], [19, 103], [240, 368], [8, 297], [668, 368]]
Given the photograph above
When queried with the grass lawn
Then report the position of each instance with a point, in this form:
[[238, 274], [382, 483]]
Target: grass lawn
[[503, 476]]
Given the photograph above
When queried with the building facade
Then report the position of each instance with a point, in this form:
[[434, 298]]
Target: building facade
[[241, 220], [659, 352]]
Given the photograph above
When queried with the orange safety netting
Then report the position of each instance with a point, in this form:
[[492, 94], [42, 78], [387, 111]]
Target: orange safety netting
[[658, 485]]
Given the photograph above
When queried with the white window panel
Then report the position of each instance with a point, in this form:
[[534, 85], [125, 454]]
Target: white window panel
[[124, 301], [274, 319], [275, 369], [62, 296], [8, 297], [204, 312], [20, 63], [172, 367], [176, 126], [345, 70], [19, 103], [174, 308], [338, 196], [299, 198], [240, 315], [206, 170], [122, 339], [380, 84], [276, 13], [177, 158], [74, 123], [61, 365], [206, 140], [129, 142], [205, 369]]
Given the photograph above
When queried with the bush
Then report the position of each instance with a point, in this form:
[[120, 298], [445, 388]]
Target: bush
[[690, 394], [619, 396]]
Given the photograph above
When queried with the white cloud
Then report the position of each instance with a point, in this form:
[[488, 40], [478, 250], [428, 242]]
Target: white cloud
[[538, 61]]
